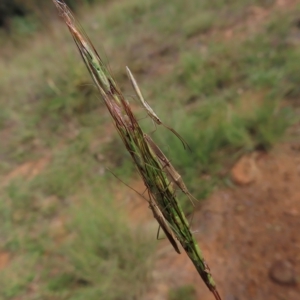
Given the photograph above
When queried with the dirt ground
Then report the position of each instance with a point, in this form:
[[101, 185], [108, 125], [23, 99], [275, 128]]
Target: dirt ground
[[249, 234]]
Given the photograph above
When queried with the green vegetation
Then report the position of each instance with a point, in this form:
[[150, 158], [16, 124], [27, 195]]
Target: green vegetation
[[186, 292], [226, 86], [83, 243], [12, 9]]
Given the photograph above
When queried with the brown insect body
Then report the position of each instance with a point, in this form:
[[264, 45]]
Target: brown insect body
[[150, 111], [175, 176]]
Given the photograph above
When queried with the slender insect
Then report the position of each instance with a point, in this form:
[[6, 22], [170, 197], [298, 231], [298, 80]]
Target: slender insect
[[163, 224], [157, 214], [150, 111], [85, 47], [149, 165], [175, 176]]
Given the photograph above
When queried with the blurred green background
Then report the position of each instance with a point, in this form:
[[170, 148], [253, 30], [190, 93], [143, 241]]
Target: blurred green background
[[227, 87]]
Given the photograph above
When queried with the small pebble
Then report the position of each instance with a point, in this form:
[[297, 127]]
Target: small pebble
[[282, 272]]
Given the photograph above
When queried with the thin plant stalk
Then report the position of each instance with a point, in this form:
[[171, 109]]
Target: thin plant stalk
[[157, 214], [171, 171], [150, 111], [146, 160]]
